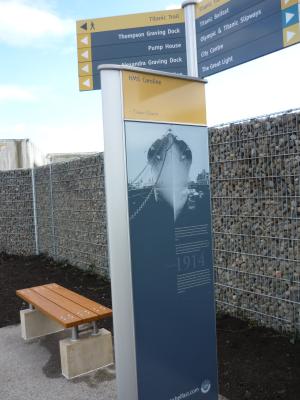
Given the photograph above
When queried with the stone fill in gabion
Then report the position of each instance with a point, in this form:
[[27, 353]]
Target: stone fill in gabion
[[255, 182], [16, 212], [44, 210], [78, 214]]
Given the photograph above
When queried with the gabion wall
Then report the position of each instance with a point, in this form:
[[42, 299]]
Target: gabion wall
[[70, 213], [16, 212], [255, 181], [76, 230]]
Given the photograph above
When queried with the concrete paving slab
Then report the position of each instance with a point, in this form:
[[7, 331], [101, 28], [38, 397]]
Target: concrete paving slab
[[31, 371]]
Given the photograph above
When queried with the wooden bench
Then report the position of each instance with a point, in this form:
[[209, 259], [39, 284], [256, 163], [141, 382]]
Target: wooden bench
[[64, 306], [68, 309]]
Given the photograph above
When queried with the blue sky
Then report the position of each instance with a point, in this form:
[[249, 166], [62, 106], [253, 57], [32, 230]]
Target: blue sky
[[39, 96]]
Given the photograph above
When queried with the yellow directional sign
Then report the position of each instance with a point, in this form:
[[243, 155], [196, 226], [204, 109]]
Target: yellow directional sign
[[288, 3], [85, 83], [130, 21], [291, 35]]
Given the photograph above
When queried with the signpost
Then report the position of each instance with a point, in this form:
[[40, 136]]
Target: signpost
[[228, 33], [153, 40], [159, 231], [238, 31], [157, 178]]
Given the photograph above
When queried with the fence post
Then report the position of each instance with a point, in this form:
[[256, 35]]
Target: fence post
[[36, 235], [52, 210]]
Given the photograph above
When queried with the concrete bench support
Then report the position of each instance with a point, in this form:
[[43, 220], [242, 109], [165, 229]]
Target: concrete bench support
[[86, 354], [35, 324]]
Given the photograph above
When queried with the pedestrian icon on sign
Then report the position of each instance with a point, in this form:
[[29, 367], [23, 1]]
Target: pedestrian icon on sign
[[92, 28]]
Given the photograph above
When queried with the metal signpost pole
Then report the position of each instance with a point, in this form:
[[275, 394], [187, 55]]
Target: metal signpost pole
[[190, 35], [118, 234]]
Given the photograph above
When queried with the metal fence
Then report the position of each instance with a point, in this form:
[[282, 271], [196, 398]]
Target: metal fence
[[255, 182]]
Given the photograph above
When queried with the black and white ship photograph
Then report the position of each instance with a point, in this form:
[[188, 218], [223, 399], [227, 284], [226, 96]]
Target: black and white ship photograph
[[169, 170]]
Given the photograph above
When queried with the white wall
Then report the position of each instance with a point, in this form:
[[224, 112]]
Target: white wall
[[16, 154]]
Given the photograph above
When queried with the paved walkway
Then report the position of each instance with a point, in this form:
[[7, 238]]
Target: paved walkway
[[31, 371]]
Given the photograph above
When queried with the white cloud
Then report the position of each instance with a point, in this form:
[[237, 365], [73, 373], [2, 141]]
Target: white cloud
[[16, 93], [22, 23], [173, 6]]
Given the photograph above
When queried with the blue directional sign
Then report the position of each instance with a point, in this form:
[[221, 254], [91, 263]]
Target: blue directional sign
[[150, 40], [242, 30]]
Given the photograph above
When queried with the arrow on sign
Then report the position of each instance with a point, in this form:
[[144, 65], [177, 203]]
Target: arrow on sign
[[289, 35], [85, 68], [85, 54], [85, 40], [288, 17], [87, 83], [84, 26]]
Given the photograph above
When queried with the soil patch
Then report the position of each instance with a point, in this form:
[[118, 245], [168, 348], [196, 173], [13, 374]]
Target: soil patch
[[254, 362], [22, 272]]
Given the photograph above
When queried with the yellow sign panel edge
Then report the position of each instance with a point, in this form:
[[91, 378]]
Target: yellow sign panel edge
[[130, 21], [83, 40], [207, 6], [160, 98], [288, 4], [84, 54], [295, 38], [86, 83], [85, 68]]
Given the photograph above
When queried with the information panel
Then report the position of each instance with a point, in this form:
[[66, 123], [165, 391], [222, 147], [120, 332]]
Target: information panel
[[236, 31], [166, 172], [153, 40]]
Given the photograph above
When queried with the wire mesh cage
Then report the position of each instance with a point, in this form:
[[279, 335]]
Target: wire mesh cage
[[255, 182]]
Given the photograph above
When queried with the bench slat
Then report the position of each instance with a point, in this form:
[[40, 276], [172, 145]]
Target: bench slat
[[52, 310], [83, 313], [91, 305]]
